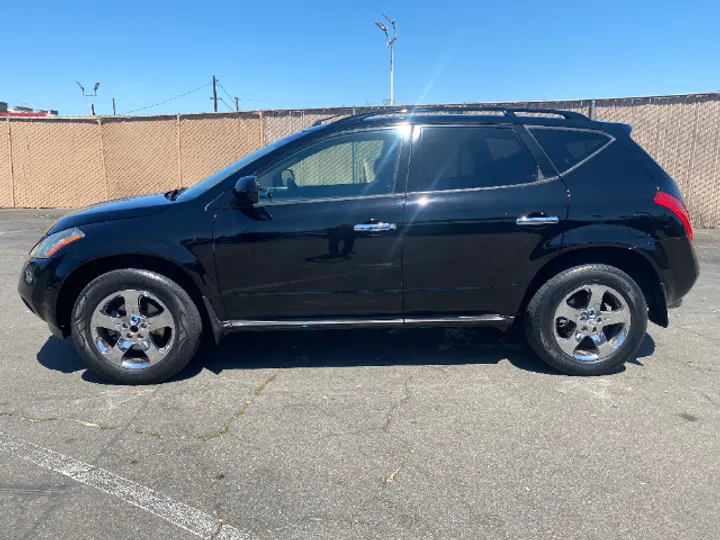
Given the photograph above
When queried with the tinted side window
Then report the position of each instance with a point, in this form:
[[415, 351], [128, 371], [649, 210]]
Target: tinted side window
[[566, 148], [353, 165], [472, 157]]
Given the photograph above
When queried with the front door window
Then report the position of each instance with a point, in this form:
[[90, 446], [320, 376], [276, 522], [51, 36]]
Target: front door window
[[352, 165]]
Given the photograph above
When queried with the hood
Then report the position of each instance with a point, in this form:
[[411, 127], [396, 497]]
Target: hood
[[130, 207]]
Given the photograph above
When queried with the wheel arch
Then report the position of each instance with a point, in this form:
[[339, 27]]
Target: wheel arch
[[79, 278], [631, 261]]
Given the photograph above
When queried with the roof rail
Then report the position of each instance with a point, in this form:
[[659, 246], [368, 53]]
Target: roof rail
[[507, 111]]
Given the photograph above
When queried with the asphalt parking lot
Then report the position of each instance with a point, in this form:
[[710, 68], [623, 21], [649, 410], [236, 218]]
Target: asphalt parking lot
[[361, 434]]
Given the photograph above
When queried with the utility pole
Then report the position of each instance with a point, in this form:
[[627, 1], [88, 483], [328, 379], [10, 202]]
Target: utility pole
[[237, 104], [389, 43], [114, 113], [214, 98]]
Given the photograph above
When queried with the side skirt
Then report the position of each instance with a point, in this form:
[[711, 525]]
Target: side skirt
[[220, 328]]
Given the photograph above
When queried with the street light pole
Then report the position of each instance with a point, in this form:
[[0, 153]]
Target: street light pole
[[392, 75], [389, 43], [90, 96]]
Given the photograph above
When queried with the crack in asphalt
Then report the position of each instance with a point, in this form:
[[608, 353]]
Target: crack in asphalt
[[85, 423], [386, 481], [391, 412], [386, 428], [229, 422], [390, 479], [93, 425], [379, 498]]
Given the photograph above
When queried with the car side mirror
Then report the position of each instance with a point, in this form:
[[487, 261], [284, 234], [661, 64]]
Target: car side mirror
[[246, 192]]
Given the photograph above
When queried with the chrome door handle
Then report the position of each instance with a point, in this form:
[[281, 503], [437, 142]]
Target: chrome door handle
[[538, 220], [375, 227]]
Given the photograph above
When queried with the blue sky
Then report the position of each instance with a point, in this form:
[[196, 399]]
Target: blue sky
[[328, 53]]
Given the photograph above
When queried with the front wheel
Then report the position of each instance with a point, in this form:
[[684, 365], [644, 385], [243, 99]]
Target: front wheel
[[587, 320], [135, 326]]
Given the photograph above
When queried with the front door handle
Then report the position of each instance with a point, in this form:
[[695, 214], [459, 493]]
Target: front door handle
[[375, 227], [537, 220]]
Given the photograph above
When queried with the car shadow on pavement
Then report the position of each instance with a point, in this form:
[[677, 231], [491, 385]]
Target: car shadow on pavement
[[60, 355], [343, 348]]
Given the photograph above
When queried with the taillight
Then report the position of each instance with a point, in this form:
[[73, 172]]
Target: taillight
[[677, 208]]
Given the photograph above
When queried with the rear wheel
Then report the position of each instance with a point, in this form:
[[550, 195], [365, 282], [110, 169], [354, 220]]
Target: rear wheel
[[587, 320], [135, 326]]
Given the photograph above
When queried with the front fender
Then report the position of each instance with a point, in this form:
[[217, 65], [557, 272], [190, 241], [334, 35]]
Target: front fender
[[186, 244], [179, 244]]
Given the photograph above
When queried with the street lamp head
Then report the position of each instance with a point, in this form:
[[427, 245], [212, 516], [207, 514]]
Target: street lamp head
[[81, 87], [97, 84], [391, 21], [380, 25]]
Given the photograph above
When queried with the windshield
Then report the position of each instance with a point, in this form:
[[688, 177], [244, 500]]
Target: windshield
[[215, 179]]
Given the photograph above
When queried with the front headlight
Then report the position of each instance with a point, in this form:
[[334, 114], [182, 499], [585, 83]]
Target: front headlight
[[47, 247]]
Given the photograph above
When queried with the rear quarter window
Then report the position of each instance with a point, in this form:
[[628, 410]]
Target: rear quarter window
[[568, 148]]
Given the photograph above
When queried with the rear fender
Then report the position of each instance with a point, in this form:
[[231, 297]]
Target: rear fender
[[642, 259]]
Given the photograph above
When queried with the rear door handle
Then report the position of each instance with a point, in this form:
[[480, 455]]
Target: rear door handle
[[537, 220], [375, 227]]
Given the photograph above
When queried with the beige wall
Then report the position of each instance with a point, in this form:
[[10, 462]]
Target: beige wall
[[71, 162]]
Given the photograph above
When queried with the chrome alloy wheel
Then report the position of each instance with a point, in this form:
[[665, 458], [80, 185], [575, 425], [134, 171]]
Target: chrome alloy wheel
[[133, 329], [591, 322]]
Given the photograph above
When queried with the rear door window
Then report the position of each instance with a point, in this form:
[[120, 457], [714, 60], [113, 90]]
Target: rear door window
[[472, 157], [568, 148]]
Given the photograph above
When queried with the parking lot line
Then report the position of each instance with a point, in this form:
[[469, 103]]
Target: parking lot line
[[181, 515]]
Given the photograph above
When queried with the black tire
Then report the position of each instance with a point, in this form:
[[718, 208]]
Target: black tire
[[182, 308], [540, 318]]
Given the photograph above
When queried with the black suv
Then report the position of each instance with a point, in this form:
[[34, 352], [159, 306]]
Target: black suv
[[432, 217]]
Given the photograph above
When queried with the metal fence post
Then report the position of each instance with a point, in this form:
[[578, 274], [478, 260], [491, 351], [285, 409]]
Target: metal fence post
[[262, 128], [10, 163], [178, 144], [102, 156]]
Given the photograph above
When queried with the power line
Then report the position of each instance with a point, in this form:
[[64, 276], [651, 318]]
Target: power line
[[255, 100], [169, 100], [225, 103], [240, 99], [226, 92]]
